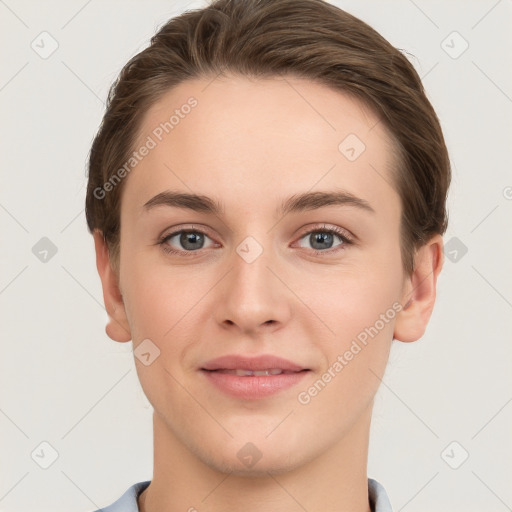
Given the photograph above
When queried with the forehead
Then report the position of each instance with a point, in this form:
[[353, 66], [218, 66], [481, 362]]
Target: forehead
[[262, 138]]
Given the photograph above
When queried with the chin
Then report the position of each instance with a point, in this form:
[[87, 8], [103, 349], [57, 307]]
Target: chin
[[249, 461], [262, 469]]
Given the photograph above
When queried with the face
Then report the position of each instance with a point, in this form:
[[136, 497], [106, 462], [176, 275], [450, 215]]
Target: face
[[316, 281]]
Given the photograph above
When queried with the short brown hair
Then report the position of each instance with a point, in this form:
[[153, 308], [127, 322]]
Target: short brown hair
[[309, 39]]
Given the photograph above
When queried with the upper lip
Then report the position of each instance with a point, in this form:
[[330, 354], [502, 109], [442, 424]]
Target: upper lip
[[259, 363]]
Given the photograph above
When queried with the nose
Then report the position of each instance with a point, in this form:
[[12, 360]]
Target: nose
[[252, 296]]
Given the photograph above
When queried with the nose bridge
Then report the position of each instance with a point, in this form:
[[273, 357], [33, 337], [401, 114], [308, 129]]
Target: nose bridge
[[252, 294], [250, 261]]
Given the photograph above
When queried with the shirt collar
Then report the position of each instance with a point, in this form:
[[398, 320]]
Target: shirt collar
[[379, 501]]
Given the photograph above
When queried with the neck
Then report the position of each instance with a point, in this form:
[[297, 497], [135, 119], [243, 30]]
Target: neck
[[336, 480]]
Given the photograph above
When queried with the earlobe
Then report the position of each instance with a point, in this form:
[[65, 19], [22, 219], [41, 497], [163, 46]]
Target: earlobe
[[420, 292], [117, 327]]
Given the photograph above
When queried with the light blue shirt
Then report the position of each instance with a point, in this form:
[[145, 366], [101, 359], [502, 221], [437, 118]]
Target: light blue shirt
[[379, 501]]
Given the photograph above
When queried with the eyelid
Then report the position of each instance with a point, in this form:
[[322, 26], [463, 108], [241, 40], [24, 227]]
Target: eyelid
[[307, 230], [346, 237], [342, 232], [176, 230]]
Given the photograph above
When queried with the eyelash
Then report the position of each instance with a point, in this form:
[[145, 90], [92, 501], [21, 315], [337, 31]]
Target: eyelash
[[322, 229]]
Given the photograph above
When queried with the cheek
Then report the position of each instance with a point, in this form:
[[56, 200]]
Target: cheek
[[156, 309], [161, 310], [363, 325], [156, 296], [362, 318], [350, 301], [164, 305], [360, 309]]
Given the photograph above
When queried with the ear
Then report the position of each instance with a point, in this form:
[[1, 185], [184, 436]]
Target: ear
[[420, 291], [117, 328]]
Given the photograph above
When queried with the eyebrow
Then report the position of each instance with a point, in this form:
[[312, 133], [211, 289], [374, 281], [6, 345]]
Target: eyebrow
[[297, 203]]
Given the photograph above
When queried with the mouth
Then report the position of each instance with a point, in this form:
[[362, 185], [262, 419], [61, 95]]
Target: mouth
[[256, 378], [258, 373], [245, 364]]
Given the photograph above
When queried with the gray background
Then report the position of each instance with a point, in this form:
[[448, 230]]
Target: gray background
[[64, 382]]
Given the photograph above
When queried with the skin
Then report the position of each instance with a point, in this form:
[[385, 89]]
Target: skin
[[251, 144]]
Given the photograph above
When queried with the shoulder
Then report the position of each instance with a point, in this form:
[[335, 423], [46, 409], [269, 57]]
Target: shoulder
[[128, 501], [379, 501]]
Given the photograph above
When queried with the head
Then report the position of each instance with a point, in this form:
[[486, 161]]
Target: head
[[250, 105]]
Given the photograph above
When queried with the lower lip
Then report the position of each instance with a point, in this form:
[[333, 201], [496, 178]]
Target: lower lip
[[253, 387]]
